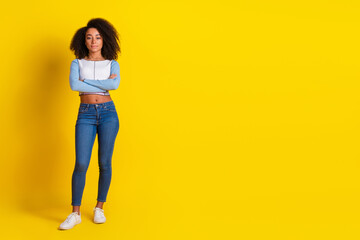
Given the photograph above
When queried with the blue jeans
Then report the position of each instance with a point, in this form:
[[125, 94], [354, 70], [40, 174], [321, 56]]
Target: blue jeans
[[102, 119]]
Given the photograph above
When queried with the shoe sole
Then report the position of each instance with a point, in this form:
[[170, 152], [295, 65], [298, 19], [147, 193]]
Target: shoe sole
[[100, 222], [62, 228]]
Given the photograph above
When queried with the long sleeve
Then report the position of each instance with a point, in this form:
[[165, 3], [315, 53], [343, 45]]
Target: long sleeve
[[108, 84], [76, 84]]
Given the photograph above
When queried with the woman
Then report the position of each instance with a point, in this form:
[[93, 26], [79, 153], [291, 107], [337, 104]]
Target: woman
[[93, 73]]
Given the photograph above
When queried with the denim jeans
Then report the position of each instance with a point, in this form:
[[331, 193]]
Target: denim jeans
[[101, 119]]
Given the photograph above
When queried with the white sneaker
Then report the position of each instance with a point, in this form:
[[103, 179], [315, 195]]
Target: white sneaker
[[99, 216], [73, 219]]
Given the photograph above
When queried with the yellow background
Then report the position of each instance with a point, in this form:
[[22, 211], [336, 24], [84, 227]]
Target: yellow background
[[238, 120]]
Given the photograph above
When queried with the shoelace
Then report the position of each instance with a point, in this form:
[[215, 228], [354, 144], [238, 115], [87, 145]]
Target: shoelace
[[70, 216], [99, 211]]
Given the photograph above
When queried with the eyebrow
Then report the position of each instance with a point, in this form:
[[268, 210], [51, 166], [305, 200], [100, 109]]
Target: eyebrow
[[90, 34]]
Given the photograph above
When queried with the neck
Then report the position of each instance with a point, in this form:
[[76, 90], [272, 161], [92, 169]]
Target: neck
[[95, 56]]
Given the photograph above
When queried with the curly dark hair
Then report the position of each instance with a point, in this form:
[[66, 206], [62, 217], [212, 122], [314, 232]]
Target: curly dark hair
[[111, 43]]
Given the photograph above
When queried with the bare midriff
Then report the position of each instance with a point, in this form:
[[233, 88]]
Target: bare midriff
[[94, 98]]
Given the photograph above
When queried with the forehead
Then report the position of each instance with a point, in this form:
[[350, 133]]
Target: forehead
[[92, 31]]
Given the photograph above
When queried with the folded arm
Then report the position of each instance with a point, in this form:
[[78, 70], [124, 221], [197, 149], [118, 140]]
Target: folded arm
[[76, 84], [107, 84]]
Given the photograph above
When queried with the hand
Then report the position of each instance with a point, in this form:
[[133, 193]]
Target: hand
[[112, 76]]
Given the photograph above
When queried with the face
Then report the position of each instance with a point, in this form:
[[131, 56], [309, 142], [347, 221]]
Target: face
[[93, 40]]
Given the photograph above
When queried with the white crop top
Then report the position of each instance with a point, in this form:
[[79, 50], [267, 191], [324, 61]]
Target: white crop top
[[95, 75]]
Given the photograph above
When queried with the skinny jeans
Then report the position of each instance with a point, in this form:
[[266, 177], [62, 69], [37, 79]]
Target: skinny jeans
[[100, 119]]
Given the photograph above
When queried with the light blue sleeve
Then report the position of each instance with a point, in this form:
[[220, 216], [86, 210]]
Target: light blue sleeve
[[76, 84], [108, 84]]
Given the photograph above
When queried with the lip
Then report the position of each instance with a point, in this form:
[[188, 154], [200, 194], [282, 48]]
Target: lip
[[93, 46]]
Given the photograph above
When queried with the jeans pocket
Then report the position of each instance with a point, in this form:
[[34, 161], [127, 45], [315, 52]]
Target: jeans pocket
[[110, 108], [83, 109]]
